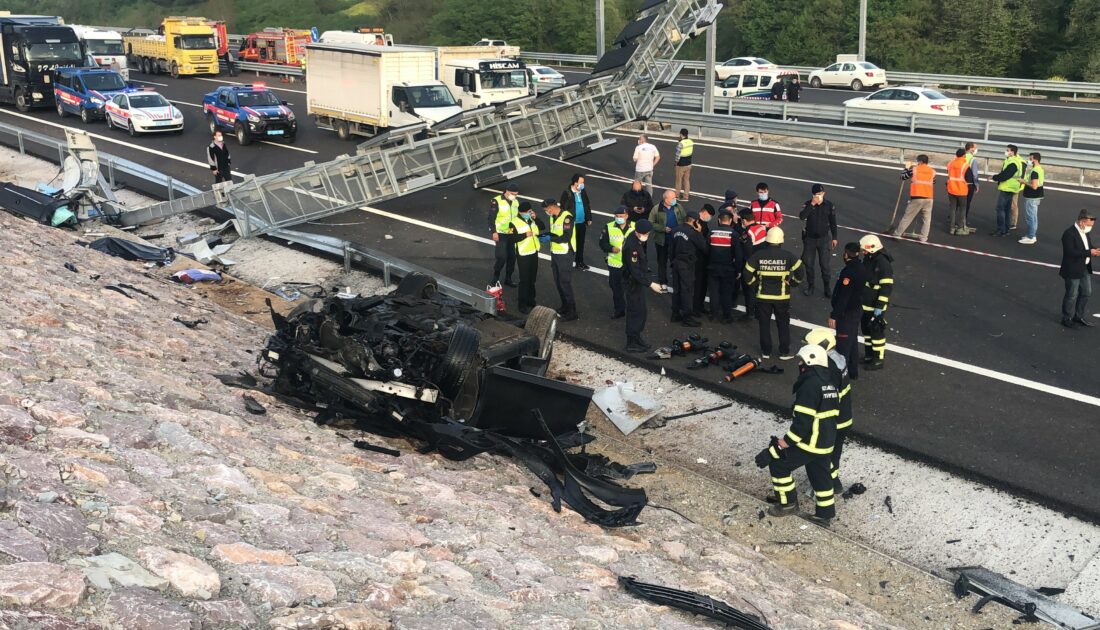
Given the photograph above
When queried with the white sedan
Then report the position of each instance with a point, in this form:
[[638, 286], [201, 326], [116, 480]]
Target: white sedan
[[739, 65], [143, 112], [543, 78], [855, 74], [909, 99]]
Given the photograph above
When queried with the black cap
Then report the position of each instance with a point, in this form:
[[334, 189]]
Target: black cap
[[643, 226], [725, 213], [692, 214], [546, 203], [622, 210], [524, 206], [708, 209], [512, 188], [731, 194], [817, 188], [1085, 215]]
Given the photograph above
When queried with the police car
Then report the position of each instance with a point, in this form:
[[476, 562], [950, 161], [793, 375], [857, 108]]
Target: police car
[[143, 111], [85, 92], [251, 112]]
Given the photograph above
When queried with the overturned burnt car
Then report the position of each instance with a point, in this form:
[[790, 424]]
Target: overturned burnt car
[[419, 364]]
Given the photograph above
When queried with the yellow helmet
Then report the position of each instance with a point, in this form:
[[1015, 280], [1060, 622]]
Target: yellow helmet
[[870, 244], [775, 236], [824, 337]]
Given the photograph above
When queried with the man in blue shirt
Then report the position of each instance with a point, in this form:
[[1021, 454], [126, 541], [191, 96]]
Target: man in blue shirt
[[575, 200]]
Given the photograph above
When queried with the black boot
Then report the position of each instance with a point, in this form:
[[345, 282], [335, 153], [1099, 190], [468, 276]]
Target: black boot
[[808, 289], [780, 511], [874, 364], [826, 291]]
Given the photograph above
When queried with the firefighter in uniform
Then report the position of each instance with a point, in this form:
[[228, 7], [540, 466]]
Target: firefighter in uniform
[[847, 307], [525, 233], [562, 248], [611, 242], [722, 268], [502, 211], [772, 272], [750, 239], [838, 368], [686, 245], [636, 280], [808, 442], [876, 298]]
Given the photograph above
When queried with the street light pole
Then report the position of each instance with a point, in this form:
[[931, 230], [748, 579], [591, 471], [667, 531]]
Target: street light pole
[[599, 28], [708, 81], [863, 30]]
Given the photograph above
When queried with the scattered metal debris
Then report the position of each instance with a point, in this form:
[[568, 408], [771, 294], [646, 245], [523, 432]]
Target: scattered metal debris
[[994, 587], [699, 412], [854, 489], [626, 408], [117, 289], [138, 290], [132, 250], [253, 406], [190, 323], [694, 603], [71, 267], [889, 503]]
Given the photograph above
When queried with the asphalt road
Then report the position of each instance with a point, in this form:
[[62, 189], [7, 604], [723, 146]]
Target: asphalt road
[[983, 379]]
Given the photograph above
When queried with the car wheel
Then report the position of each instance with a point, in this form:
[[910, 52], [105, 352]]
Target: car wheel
[[291, 138], [131, 129], [857, 85], [542, 323], [60, 110], [175, 70], [243, 138], [84, 117], [22, 103], [107, 119], [211, 124], [459, 361], [417, 285], [815, 82], [343, 132]]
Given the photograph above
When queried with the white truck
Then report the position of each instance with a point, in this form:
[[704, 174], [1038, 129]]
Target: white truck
[[478, 82], [361, 89], [353, 37], [105, 47]]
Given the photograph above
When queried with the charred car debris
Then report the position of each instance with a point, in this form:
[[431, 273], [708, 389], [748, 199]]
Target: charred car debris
[[425, 366]]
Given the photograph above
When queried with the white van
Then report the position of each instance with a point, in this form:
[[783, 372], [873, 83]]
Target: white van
[[755, 85], [349, 37], [105, 47]]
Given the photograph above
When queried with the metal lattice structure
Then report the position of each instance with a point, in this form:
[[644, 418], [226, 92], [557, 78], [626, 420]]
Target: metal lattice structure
[[487, 142]]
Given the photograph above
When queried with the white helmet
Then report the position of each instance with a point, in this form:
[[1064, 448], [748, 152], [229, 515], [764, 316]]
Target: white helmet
[[812, 354], [870, 244], [824, 337], [775, 236]]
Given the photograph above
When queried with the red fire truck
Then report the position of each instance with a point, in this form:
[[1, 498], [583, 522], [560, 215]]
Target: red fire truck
[[284, 46]]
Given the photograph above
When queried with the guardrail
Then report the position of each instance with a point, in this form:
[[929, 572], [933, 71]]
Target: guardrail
[[727, 127], [1020, 85], [115, 168], [972, 128]]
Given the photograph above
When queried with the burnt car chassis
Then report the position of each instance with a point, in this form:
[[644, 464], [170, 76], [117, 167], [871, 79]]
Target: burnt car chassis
[[421, 365]]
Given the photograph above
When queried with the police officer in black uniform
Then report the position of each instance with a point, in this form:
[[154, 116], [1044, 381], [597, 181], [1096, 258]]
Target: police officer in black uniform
[[702, 273], [636, 280], [818, 237], [847, 308], [685, 246], [750, 239], [722, 267]]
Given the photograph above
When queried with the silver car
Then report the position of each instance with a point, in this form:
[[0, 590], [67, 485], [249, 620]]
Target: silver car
[[544, 78]]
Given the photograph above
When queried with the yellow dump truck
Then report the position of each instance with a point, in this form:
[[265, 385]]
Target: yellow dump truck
[[182, 46]]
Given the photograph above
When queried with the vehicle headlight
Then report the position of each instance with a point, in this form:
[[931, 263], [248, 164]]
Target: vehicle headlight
[[253, 118], [176, 113], [97, 101], [290, 116], [141, 115]]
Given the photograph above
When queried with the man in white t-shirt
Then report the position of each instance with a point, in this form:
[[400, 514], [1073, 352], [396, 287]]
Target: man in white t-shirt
[[646, 157]]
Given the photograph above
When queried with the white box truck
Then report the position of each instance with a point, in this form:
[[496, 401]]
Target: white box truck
[[360, 89], [105, 47], [478, 82]]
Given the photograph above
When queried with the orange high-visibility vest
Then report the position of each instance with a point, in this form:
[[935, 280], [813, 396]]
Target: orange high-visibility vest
[[956, 176], [921, 185]]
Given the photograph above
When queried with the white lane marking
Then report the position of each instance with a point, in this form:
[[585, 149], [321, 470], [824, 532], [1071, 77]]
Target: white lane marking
[[773, 176], [539, 201], [186, 103], [916, 354], [1019, 104], [288, 146], [149, 82], [987, 109], [269, 86]]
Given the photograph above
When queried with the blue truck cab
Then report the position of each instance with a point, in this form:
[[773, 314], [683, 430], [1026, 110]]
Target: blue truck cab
[[84, 91], [250, 112]]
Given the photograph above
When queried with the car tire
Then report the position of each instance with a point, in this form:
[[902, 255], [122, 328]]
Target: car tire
[[857, 85], [175, 70], [542, 323], [21, 102], [417, 285], [107, 119], [815, 82], [292, 138], [211, 124], [343, 132], [459, 361], [243, 138], [84, 117], [131, 129], [61, 113]]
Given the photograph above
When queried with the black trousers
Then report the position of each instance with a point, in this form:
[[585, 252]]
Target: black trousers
[[847, 342], [634, 294], [662, 264], [723, 287], [683, 288], [563, 281], [816, 248], [223, 176], [970, 190], [505, 258], [746, 290], [615, 281], [874, 336], [581, 229], [528, 273], [817, 469], [699, 298], [782, 311]]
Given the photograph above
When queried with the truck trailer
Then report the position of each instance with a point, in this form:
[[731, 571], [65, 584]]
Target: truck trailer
[[32, 47], [184, 46]]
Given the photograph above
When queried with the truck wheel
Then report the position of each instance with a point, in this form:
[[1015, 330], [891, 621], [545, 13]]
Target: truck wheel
[[243, 138], [342, 130], [857, 85], [417, 285], [61, 110], [175, 71], [542, 323], [815, 82], [459, 361], [213, 126], [145, 67], [85, 117], [22, 103]]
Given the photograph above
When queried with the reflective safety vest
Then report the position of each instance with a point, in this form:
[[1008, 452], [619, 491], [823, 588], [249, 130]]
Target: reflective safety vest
[[616, 237], [557, 228], [530, 244], [1012, 184], [506, 212], [687, 147], [956, 176], [1038, 168], [921, 184]]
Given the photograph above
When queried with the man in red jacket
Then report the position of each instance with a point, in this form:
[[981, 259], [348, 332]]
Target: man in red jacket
[[766, 210]]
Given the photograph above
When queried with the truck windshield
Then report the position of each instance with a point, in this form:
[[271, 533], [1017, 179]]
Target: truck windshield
[[105, 46], [256, 99], [197, 42], [104, 82], [54, 52], [430, 96], [503, 79], [147, 100]]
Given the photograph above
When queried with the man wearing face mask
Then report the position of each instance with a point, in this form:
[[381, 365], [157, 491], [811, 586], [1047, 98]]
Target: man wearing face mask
[[1076, 270], [636, 280], [526, 228], [611, 241], [847, 308], [699, 301], [561, 257], [766, 210], [574, 200], [503, 209], [1008, 186], [818, 237], [665, 217], [637, 201], [686, 245], [217, 156], [722, 268]]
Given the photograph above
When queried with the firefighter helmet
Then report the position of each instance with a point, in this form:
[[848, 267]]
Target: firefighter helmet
[[870, 244], [824, 337], [813, 355], [775, 236]]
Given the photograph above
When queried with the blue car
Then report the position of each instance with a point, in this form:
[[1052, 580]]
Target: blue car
[[250, 112], [85, 91]]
